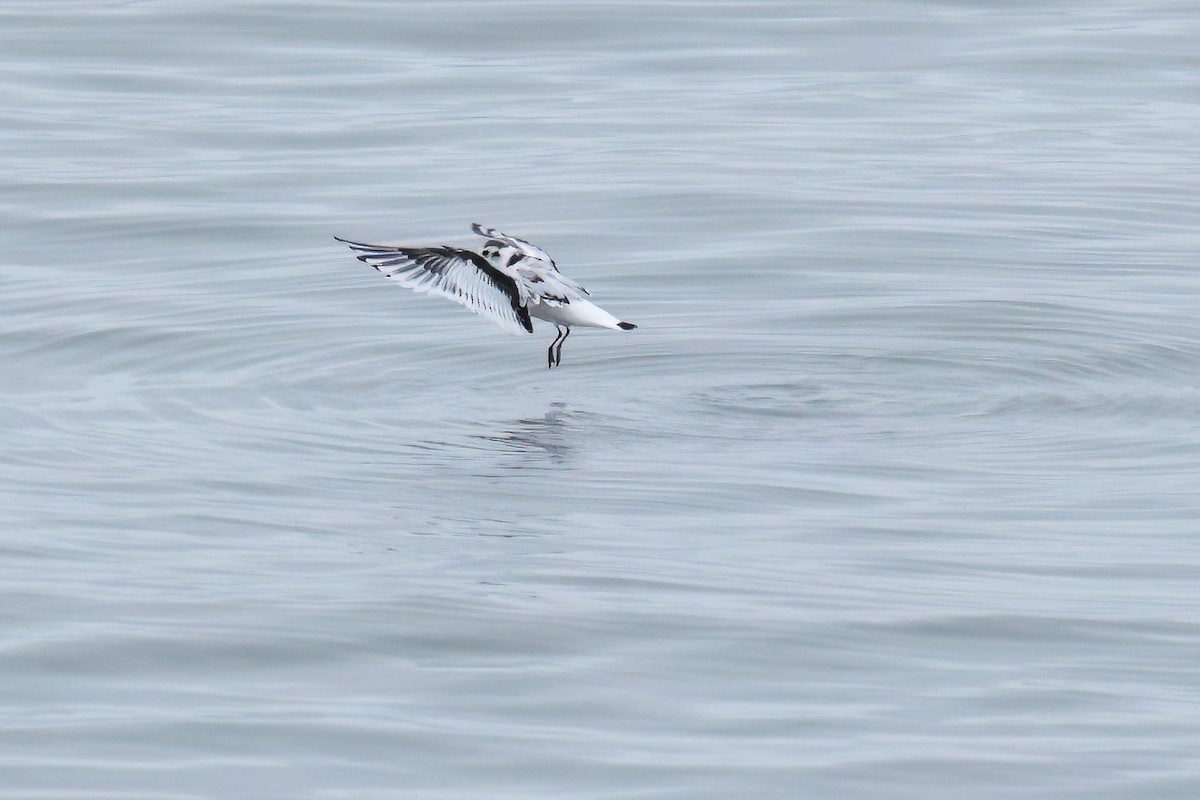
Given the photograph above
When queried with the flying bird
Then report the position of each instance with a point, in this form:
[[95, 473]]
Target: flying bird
[[508, 281]]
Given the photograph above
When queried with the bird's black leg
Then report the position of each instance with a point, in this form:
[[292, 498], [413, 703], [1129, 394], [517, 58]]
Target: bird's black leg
[[558, 355], [550, 352]]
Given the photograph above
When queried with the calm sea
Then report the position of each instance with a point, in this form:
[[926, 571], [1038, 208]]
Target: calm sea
[[894, 493]]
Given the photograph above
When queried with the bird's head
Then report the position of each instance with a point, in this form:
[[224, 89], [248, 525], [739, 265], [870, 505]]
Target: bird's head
[[492, 250], [497, 252]]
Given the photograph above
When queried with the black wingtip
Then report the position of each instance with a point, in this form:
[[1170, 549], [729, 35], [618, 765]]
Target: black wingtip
[[626, 326]]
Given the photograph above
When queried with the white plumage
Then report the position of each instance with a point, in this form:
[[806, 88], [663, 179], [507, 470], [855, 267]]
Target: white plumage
[[509, 281]]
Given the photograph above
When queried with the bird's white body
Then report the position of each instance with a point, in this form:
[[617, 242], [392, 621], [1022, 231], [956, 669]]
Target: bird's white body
[[578, 313], [509, 281]]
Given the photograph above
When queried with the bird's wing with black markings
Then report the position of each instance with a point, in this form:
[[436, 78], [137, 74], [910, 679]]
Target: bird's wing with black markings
[[528, 248], [544, 285], [536, 259], [459, 275]]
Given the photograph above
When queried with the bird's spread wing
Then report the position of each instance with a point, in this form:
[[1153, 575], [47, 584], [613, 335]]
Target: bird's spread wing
[[535, 272], [539, 284], [459, 275], [530, 249]]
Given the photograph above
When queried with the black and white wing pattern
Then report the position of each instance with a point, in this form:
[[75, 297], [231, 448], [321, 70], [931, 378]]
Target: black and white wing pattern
[[530, 249], [459, 275], [538, 277]]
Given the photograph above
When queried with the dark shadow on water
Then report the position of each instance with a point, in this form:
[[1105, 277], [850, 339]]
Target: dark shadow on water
[[538, 441]]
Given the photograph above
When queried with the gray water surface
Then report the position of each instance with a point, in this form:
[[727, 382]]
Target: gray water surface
[[892, 494]]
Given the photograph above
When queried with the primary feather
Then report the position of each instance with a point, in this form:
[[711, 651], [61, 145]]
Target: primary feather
[[460, 275]]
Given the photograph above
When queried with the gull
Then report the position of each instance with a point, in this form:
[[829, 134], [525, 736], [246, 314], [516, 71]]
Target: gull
[[508, 281]]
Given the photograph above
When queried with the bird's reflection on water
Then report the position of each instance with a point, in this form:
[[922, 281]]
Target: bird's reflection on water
[[538, 441]]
